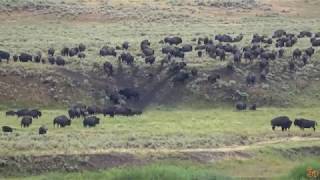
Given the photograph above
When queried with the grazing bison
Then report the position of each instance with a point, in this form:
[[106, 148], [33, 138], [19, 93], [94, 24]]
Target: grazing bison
[[43, 130], [7, 129], [241, 106], [93, 110], [61, 121], [127, 58], [4, 55], [26, 121], [10, 113], [22, 112], [150, 59], [147, 51], [108, 51], [108, 68], [173, 40], [73, 51], [305, 123], [34, 113], [51, 59], [282, 121], [129, 93], [279, 33], [91, 121], [186, 48], [310, 51], [60, 61], [296, 53], [74, 113], [24, 57], [315, 42]]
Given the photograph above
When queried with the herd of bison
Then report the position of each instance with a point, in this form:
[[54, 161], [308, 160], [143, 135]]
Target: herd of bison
[[262, 50]]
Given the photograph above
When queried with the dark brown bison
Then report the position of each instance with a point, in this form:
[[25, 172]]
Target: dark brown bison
[[282, 121], [51, 51], [61, 121], [91, 121], [26, 121], [305, 123], [4, 55], [7, 129], [43, 130], [24, 57], [173, 40], [108, 51], [241, 106]]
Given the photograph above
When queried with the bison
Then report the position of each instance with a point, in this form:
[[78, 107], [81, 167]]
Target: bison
[[61, 121], [282, 121], [43, 130], [26, 121], [10, 113], [305, 123], [7, 129], [91, 121], [173, 40], [241, 106], [4, 55], [24, 57]]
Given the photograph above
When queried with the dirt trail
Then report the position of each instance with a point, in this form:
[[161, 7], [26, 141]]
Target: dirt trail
[[227, 149], [103, 159]]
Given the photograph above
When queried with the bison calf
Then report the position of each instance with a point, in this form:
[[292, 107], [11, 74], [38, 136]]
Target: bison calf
[[7, 129], [43, 130]]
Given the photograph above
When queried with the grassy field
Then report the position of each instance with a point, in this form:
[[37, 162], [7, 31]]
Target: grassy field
[[268, 163], [156, 128]]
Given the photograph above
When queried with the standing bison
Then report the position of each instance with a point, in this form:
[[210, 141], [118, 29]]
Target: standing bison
[[26, 121], [173, 40], [43, 130], [305, 123], [282, 121], [4, 55], [91, 121], [241, 106], [61, 121]]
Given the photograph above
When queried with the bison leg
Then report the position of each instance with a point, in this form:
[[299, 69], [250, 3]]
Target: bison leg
[[282, 128], [273, 128]]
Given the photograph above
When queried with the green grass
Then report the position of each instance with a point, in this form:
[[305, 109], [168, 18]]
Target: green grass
[[154, 172], [301, 172], [156, 128]]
